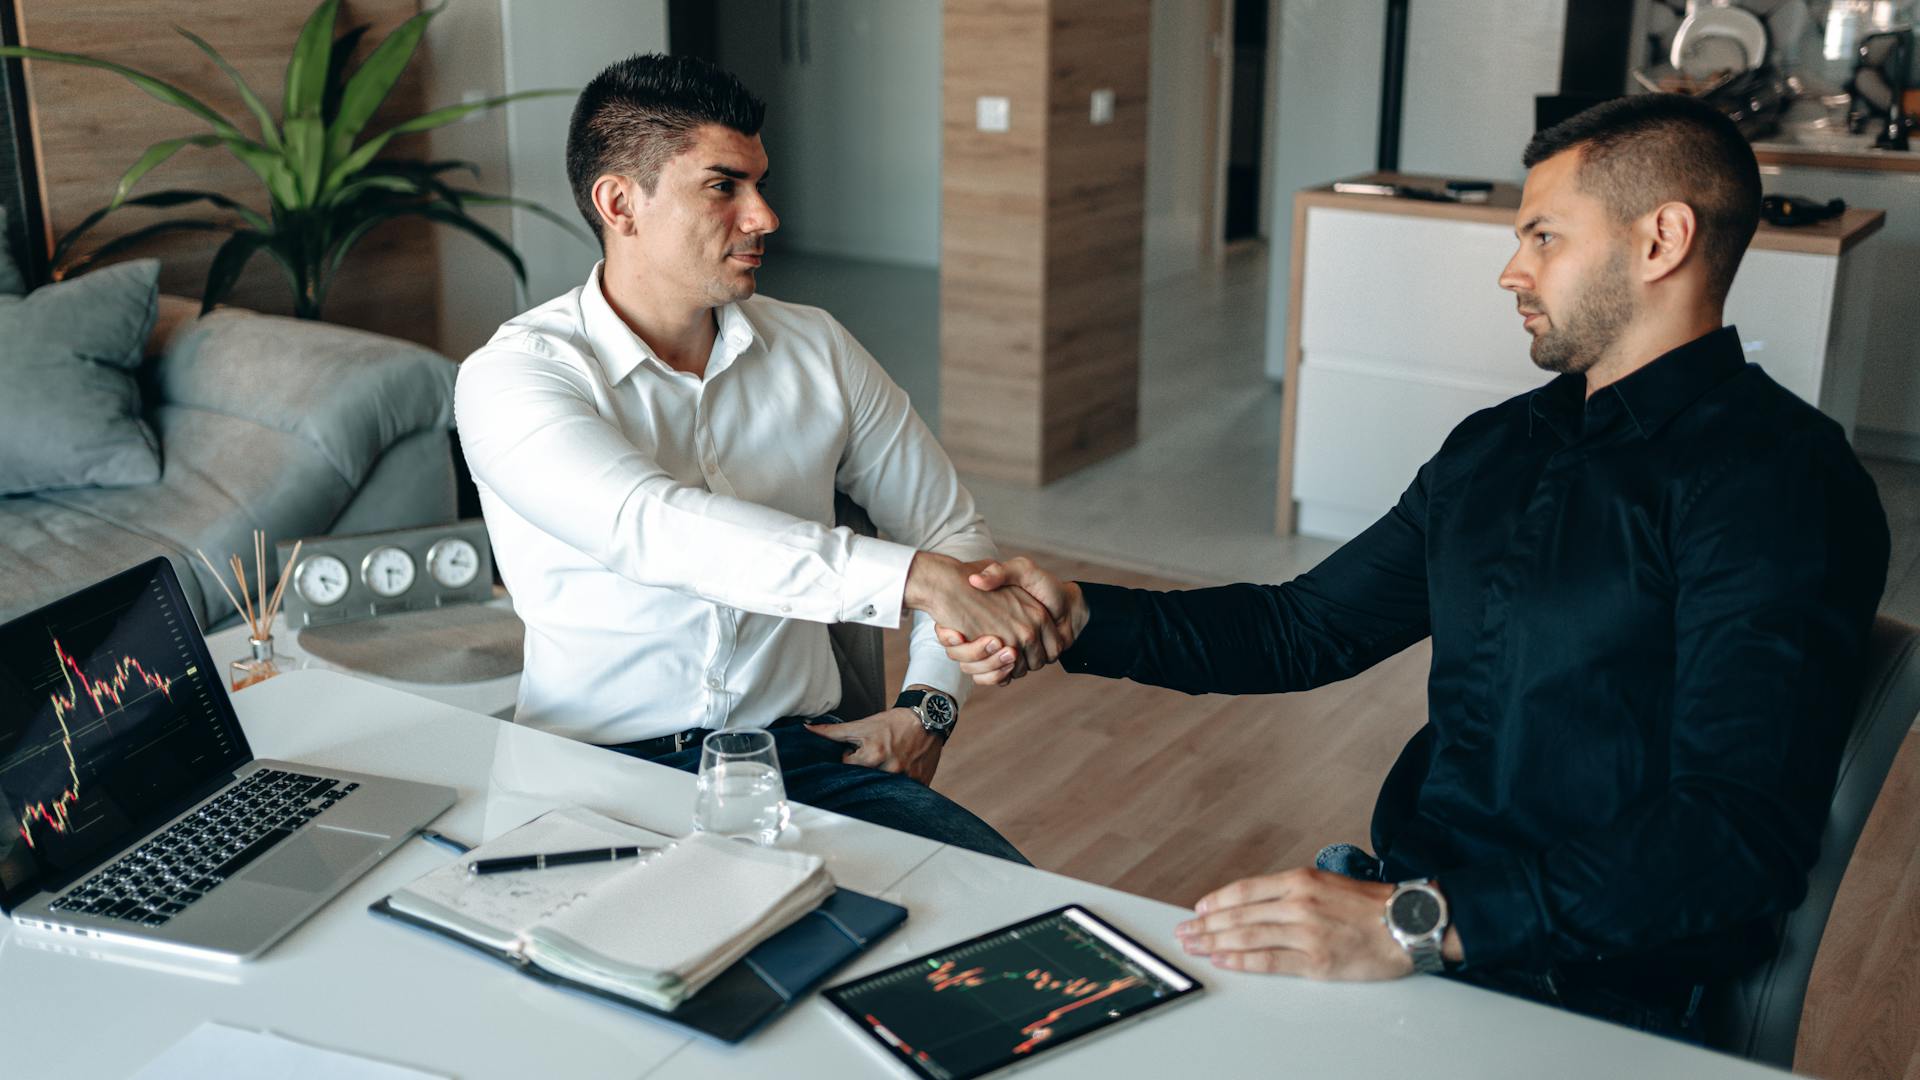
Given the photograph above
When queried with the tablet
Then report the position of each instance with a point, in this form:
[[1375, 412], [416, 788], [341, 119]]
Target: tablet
[[1008, 996]]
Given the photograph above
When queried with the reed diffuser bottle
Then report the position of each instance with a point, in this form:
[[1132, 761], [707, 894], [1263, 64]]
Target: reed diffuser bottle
[[260, 664]]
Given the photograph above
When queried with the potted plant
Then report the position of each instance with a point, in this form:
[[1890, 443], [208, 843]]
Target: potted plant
[[327, 188]]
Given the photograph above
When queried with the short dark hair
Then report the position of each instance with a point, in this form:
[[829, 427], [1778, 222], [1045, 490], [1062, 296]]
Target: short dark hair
[[1638, 152], [641, 112]]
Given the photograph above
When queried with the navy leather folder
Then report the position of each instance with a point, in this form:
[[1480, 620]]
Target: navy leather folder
[[743, 998]]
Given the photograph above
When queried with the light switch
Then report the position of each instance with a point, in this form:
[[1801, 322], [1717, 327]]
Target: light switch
[[992, 114], [1102, 110]]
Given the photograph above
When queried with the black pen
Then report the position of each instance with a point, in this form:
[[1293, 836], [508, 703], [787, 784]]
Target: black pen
[[558, 858]]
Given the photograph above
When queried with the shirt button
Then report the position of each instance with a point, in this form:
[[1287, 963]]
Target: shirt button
[[786, 607], [713, 682], [869, 612]]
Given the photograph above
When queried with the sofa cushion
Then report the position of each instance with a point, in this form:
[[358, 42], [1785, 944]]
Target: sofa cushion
[[225, 477], [68, 355], [52, 550]]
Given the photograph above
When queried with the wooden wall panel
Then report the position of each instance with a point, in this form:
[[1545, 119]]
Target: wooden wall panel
[[1041, 234], [93, 124]]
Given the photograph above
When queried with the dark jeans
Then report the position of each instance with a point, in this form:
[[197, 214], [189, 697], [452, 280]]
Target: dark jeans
[[1676, 1019], [814, 774]]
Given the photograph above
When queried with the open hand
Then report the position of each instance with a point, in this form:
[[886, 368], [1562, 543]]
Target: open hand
[[891, 741], [1305, 922]]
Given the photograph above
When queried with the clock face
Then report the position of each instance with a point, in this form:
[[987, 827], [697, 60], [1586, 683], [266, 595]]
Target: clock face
[[939, 709], [388, 571], [453, 563], [322, 580]]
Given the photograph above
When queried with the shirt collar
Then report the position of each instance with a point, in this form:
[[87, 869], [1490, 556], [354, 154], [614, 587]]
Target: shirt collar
[[1650, 396], [620, 350]]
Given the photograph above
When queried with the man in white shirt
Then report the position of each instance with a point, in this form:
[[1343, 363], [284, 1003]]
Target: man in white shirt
[[657, 454]]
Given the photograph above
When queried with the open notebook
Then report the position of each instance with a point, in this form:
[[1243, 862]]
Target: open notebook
[[711, 933]]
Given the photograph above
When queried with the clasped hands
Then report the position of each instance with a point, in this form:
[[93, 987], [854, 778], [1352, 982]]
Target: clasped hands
[[997, 620]]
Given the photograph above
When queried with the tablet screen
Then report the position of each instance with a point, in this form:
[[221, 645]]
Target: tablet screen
[[1007, 996]]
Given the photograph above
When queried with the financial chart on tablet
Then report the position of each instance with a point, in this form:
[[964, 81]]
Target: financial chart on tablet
[[1008, 996]]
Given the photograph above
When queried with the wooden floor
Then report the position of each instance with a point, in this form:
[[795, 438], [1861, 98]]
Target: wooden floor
[[1170, 796]]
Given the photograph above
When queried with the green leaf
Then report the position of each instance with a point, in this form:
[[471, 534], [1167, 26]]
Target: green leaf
[[272, 170], [175, 197], [122, 243], [366, 151], [459, 220], [343, 47], [154, 87], [153, 156], [306, 154], [268, 133], [372, 83], [307, 70], [228, 263], [476, 198], [403, 185]]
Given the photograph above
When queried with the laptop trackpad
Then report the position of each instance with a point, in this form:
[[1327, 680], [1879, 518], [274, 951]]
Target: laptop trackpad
[[315, 861]]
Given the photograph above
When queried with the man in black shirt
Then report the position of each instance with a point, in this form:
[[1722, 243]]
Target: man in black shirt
[[1648, 583]]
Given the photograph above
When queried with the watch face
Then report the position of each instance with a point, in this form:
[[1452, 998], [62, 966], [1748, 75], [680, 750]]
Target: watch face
[[1415, 912], [939, 710], [322, 580], [388, 571], [453, 563]]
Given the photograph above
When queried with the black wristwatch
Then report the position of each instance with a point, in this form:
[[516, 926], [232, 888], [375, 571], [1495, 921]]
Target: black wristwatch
[[1416, 916], [937, 711]]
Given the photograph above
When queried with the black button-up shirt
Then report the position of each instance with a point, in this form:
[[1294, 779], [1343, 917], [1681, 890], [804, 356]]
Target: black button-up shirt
[[1648, 612]]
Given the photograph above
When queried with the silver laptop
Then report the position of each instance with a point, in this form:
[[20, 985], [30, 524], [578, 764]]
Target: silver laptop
[[132, 809]]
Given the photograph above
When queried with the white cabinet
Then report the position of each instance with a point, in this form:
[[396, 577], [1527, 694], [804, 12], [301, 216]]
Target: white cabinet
[[1403, 331]]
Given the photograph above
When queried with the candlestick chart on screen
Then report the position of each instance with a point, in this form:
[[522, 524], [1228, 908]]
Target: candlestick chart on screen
[[1004, 997]]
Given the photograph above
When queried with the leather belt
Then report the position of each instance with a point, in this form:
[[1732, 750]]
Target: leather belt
[[681, 740]]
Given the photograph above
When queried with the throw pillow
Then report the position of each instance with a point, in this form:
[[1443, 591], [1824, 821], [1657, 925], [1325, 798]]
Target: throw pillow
[[69, 406], [11, 283]]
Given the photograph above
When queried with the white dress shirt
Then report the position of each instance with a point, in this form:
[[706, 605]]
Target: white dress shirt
[[668, 539]]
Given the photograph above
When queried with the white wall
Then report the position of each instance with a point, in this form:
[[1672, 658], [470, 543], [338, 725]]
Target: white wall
[[853, 127], [1179, 167], [1326, 120], [1472, 73], [547, 43], [463, 54]]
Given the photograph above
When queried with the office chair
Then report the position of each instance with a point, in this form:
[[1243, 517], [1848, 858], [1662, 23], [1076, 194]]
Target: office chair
[[859, 651], [1757, 1016]]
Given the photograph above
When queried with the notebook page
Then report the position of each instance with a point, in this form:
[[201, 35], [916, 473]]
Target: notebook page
[[665, 922], [497, 909]]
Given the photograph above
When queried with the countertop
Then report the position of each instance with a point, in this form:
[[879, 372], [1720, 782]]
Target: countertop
[[1830, 237]]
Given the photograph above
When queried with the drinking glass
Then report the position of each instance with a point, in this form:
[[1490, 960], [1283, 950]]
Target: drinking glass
[[740, 793]]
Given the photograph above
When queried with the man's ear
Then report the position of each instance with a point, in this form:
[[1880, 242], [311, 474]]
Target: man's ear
[[1664, 240], [615, 198]]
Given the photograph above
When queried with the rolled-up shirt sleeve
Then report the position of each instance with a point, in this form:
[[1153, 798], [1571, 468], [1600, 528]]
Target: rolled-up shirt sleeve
[[533, 436]]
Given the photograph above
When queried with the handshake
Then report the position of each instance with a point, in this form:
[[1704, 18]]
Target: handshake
[[998, 620]]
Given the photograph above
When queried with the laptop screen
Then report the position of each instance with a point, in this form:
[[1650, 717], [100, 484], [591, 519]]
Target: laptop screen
[[110, 720]]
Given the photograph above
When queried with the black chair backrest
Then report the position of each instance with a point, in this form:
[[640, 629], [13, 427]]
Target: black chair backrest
[[858, 650], [1758, 1016]]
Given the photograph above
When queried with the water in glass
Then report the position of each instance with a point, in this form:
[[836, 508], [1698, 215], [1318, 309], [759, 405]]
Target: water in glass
[[740, 793]]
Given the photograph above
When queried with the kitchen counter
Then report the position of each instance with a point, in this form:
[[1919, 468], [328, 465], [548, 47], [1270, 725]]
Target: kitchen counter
[[1830, 237], [1397, 330]]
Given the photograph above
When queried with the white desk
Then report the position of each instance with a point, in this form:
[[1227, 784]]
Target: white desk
[[349, 981]]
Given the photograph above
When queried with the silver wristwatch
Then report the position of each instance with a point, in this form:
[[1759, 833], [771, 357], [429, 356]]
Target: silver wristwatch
[[1416, 916], [937, 711]]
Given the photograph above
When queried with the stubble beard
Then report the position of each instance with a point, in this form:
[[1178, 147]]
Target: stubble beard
[[1598, 317]]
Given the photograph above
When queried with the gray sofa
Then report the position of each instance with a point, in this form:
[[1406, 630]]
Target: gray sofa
[[298, 428]]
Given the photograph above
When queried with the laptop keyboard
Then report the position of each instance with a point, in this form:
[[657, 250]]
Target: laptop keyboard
[[159, 879]]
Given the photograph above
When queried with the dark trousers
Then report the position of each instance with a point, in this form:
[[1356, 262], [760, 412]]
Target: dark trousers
[[814, 774]]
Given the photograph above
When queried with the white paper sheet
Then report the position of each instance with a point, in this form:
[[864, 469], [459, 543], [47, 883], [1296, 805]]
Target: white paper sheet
[[218, 1050]]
